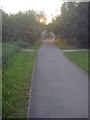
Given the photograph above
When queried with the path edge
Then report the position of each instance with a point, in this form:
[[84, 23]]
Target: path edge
[[28, 109]]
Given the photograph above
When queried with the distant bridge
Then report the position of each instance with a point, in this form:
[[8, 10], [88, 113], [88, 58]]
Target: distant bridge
[[47, 35]]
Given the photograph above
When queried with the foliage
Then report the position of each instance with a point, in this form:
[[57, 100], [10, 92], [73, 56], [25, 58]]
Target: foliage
[[79, 58], [16, 85], [8, 50], [23, 44], [22, 26], [36, 45], [17, 82], [72, 24]]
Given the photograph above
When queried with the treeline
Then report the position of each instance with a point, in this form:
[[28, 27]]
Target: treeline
[[22, 26], [72, 24]]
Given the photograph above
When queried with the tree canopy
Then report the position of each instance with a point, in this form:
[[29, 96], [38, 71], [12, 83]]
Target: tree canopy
[[22, 26], [72, 24]]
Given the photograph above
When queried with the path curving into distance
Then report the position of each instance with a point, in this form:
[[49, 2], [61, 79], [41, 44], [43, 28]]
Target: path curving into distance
[[59, 88]]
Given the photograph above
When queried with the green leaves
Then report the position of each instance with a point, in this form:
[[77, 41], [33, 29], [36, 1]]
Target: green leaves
[[72, 24], [8, 50], [22, 26]]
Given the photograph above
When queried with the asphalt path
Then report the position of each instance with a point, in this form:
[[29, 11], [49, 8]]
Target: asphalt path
[[59, 88]]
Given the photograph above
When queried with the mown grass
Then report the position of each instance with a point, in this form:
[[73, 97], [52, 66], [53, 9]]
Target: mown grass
[[79, 58], [16, 80], [16, 84], [64, 45]]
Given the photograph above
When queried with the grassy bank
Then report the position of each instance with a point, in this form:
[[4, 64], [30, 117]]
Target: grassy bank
[[17, 76], [79, 58], [64, 45]]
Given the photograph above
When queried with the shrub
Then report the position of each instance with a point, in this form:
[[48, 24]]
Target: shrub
[[23, 44], [8, 50]]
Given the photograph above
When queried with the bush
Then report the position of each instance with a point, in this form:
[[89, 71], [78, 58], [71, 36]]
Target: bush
[[22, 25], [72, 24], [8, 50], [23, 44]]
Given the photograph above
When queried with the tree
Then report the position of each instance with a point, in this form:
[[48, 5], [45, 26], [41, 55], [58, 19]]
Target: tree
[[22, 26], [72, 24]]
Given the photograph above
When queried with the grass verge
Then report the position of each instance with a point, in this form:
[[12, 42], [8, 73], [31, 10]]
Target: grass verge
[[36, 45], [16, 85], [79, 58], [16, 80], [64, 45]]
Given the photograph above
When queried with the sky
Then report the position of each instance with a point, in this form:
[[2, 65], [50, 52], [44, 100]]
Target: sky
[[51, 7]]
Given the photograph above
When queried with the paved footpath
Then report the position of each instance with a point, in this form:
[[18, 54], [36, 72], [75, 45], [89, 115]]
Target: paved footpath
[[59, 88]]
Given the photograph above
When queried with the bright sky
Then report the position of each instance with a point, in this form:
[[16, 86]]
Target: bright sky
[[51, 7]]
